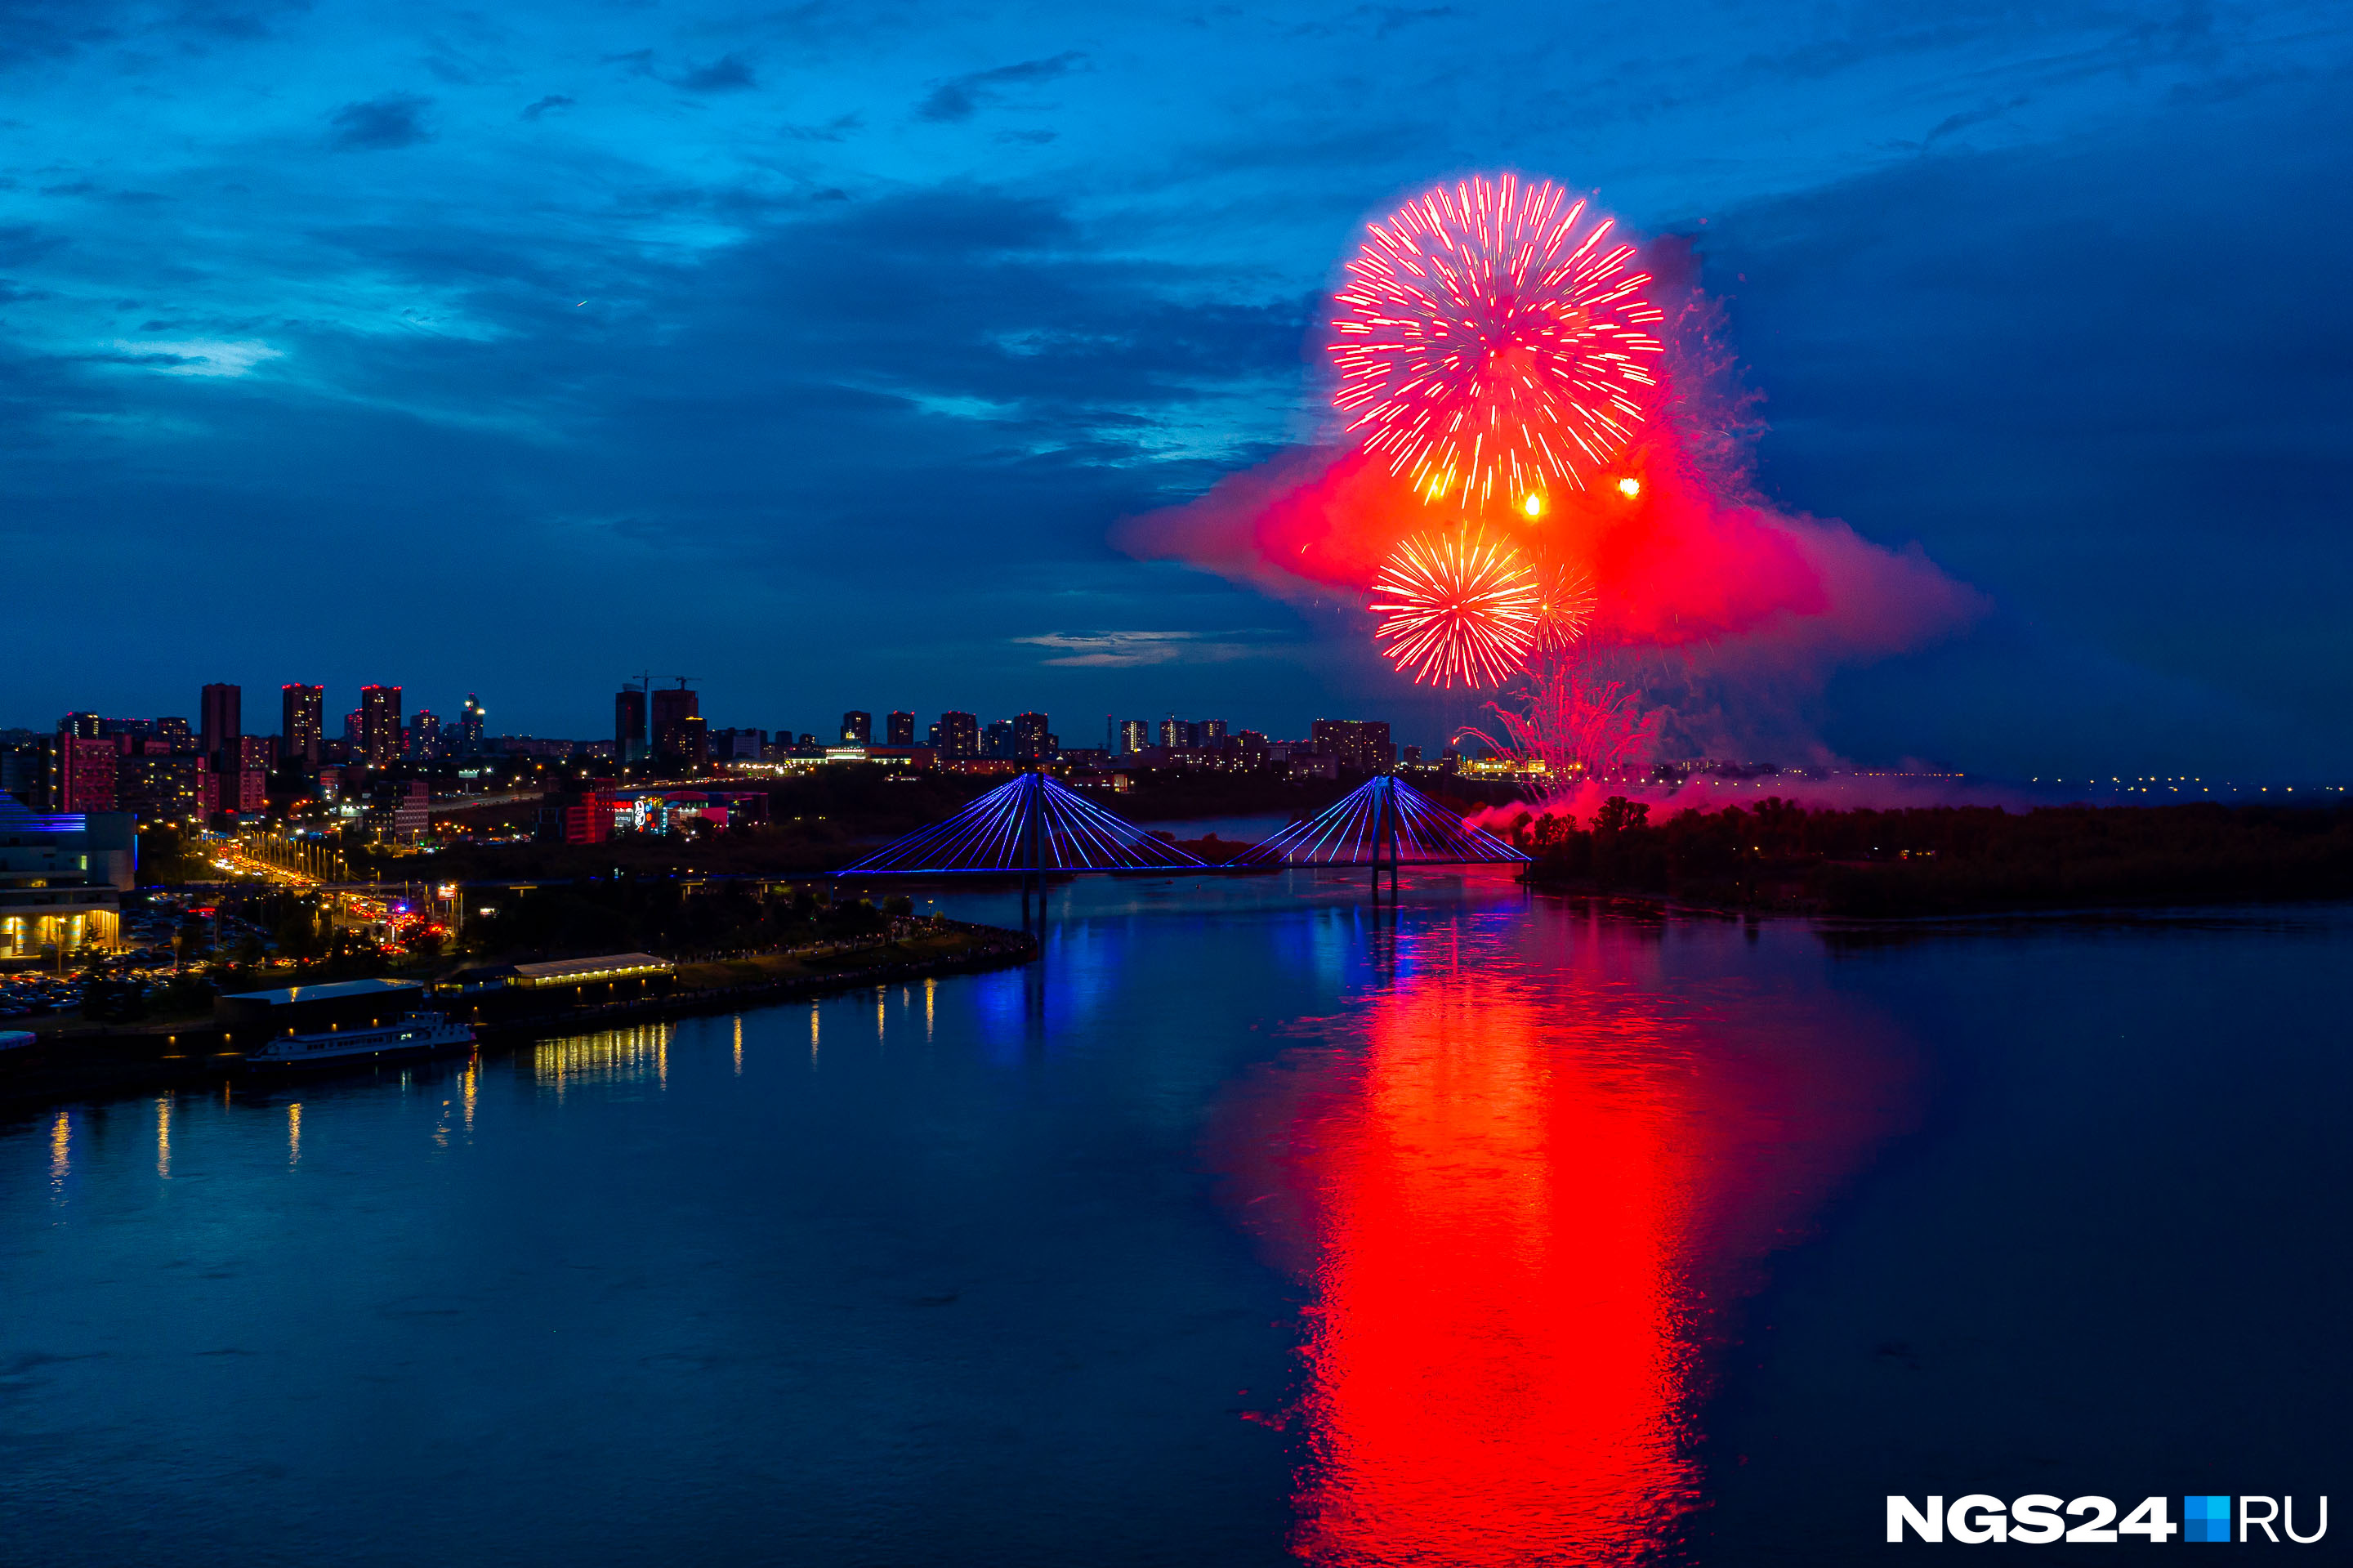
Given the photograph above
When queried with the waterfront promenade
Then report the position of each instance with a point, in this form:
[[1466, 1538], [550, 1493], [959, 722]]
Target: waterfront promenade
[[88, 1061]]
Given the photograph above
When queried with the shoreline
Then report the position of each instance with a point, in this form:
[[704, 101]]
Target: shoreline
[[36, 1079]]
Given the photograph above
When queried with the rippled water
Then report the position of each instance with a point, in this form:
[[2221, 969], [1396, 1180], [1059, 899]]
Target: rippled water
[[1252, 1225]]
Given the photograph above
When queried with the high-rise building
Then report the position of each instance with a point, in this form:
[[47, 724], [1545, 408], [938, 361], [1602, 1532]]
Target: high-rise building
[[957, 735], [672, 707], [1031, 741], [629, 724], [694, 740], [81, 727], [86, 767], [898, 729], [299, 716], [425, 736], [25, 772], [1362, 746], [175, 731], [244, 769], [856, 729], [471, 720], [352, 730], [996, 740], [1176, 734], [1134, 734], [221, 718], [166, 788], [1210, 735], [380, 725]]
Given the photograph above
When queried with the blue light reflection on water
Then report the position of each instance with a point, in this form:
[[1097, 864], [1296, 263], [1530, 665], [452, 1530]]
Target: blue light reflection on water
[[956, 1273]]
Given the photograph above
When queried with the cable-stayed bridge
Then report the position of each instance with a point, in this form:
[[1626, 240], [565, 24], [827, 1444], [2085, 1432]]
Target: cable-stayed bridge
[[1035, 825], [1031, 824]]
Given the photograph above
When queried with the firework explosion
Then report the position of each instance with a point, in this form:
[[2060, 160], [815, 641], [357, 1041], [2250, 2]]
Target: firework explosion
[[1503, 353], [1563, 606], [1577, 723], [1491, 344], [1456, 608]]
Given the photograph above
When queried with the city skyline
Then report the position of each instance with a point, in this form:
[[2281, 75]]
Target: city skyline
[[299, 727]]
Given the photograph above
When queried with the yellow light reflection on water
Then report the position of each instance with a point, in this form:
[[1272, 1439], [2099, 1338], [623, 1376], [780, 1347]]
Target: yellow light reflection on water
[[813, 1017], [293, 1135], [60, 1153], [739, 1045], [164, 1137], [612, 1056], [931, 995]]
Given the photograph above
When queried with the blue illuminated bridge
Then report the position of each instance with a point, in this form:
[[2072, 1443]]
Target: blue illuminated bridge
[[1035, 825]]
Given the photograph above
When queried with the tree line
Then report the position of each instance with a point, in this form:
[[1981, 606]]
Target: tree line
[[1949, 859]]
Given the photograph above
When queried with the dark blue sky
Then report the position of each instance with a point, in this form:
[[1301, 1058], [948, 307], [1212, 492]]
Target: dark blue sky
[[813, 351]]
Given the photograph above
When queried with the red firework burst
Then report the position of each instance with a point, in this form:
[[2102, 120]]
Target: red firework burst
[[1456, 608], [1490, 343], [1564, 603]]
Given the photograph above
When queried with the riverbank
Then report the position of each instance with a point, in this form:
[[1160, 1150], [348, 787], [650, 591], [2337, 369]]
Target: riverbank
[[1784, 859], [97, 1062]]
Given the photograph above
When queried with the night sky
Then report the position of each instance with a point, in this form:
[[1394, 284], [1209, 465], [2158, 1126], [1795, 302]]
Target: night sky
[[815, 352]]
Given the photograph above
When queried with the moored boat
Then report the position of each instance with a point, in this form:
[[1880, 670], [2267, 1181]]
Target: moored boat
[[415, 1034]]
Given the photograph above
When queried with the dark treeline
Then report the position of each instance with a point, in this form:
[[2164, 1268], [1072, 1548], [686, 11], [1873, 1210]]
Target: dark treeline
[[1944, 859]]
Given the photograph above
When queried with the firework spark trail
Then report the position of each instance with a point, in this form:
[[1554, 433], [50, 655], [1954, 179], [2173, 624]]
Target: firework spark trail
[[1490, 343], [1456, 608], [1576, 723]]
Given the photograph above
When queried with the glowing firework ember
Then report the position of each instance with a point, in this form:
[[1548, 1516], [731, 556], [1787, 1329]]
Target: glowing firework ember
[[1459, 608], [1492, 343]]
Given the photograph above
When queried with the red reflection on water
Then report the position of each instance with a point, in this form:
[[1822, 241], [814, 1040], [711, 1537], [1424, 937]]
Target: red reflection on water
[[1521, 1194]]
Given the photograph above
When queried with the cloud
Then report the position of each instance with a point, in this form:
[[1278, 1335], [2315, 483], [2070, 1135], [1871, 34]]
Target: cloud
[[34, 31], [1125, 649], [381, 124], [837, 128], [728, 73], [1953, 124], [553, 101], [196, 356], [959, 97]]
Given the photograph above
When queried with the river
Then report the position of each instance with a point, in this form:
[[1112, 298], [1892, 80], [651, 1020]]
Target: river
[[1252, 1224]]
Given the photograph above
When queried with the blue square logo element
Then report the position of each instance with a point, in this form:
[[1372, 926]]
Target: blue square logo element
[[2206, 1519]]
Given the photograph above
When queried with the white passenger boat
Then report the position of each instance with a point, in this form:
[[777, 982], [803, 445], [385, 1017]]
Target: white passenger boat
[[416, 1035]]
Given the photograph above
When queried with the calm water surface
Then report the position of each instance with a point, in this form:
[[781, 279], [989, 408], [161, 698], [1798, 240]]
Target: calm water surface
[[1251, 1225]]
